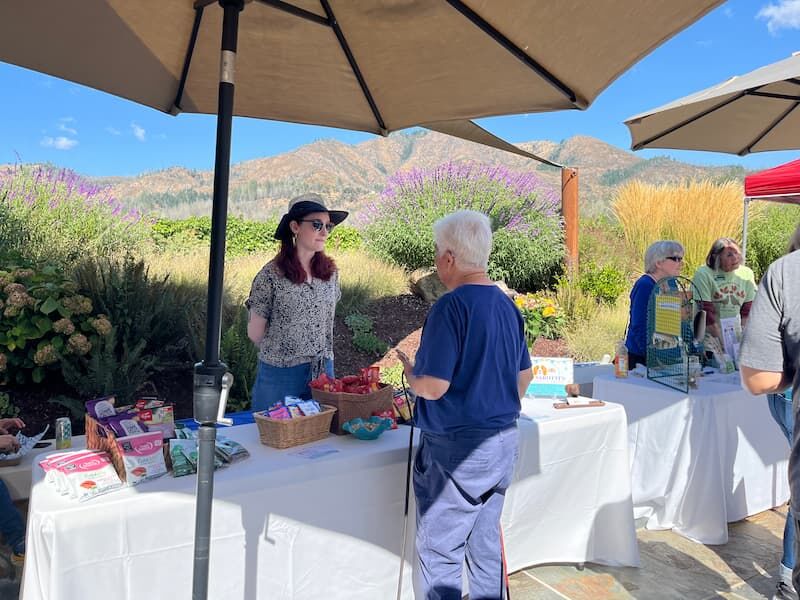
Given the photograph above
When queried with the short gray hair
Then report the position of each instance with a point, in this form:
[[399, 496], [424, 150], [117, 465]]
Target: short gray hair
[[660, 250], [468, 235]]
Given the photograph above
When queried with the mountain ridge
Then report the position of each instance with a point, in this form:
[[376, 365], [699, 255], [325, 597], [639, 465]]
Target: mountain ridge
[[350, 175]]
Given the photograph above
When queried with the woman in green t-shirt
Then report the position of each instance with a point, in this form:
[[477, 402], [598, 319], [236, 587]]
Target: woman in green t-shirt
[[726, 287]]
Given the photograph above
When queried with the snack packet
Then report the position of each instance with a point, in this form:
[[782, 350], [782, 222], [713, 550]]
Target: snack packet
[[179, 452], [309, 407], [90, 475], [143, 456], [101, 408], [230, 451], [125, 424]]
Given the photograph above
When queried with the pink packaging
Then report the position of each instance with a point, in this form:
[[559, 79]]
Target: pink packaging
[[143, 456], [89, 475]]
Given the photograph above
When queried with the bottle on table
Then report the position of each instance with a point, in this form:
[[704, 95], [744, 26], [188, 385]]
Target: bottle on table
[[621, 360]]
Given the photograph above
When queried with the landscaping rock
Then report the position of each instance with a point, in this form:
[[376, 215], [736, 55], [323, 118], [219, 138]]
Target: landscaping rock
[[426, 284], [506, 290]]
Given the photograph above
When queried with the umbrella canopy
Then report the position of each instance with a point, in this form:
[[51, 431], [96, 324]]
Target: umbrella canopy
[[369, 65], [756, 112]]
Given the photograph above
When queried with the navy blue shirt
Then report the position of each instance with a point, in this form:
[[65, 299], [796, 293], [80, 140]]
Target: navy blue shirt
[[636, 342], [474, 338]]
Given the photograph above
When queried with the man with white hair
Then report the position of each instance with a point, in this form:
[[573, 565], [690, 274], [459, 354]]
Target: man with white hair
[[471, 370]]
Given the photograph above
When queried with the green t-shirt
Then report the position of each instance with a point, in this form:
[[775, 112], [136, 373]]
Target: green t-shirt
[[728, 291]]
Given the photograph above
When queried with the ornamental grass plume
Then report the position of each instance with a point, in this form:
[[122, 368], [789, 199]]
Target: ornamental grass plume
[[694, 213]]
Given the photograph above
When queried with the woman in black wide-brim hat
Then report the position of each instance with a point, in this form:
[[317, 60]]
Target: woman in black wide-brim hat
[[292, 304]]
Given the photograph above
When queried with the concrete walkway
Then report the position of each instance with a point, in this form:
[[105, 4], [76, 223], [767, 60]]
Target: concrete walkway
[[673, 568]]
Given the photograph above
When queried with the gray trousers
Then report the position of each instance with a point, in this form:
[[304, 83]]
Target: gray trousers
[[460, 481]]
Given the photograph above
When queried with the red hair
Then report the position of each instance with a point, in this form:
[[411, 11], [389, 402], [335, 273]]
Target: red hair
[[322, 265]]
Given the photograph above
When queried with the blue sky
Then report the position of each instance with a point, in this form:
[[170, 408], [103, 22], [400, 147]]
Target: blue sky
[[50, 120]]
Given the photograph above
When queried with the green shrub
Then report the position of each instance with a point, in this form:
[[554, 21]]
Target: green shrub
[[112, 368], [358, 323], [526, 263], [7, 408], [164, 316], [768, 236], [54, 216], [605, 283], [528, 245], [242, 236], [43, 320], [343, 238], [241, 356], [368, 342]]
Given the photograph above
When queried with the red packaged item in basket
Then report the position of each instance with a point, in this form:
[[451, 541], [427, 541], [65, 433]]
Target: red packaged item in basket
[[386, 414]]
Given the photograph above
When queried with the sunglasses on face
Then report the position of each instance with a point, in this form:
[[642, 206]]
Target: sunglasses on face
[[318, 225], [675, 258]]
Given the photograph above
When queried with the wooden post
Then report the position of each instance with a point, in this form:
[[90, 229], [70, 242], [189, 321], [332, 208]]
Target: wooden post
[[569, 212]]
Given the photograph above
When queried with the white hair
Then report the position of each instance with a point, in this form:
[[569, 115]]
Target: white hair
[[658, 251], [468, 235]]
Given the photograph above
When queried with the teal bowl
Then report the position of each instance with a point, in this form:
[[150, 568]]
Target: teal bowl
[[367, 429]]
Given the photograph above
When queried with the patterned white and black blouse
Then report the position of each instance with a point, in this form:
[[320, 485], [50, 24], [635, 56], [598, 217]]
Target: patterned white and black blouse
[[299, 318]]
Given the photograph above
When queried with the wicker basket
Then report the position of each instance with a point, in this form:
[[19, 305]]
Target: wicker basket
[[285, 433], [100, 437], [352, 406]]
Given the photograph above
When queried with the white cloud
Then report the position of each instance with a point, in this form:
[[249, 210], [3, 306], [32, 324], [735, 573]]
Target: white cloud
[[728, 12], [113, 130], [64, 125], [785, 14], [138, 132], [160, 136], [59, 143]]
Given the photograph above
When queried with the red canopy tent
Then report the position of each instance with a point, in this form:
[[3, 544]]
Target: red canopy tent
[[779, 184]]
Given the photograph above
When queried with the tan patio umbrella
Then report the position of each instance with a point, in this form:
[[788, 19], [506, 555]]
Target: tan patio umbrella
[[370, 65], [756, 112]]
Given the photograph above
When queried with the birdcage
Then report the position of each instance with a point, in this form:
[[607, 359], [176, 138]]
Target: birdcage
[[675, 331]]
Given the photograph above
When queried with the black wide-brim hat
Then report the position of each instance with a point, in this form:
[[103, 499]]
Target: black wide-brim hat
[[305, 205]]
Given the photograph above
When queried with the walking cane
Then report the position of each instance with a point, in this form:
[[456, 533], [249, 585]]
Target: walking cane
[[408, 488], [504, 585]]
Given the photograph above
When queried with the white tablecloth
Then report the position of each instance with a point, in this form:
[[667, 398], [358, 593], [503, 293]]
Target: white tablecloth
[[703, 459], [285, 526]]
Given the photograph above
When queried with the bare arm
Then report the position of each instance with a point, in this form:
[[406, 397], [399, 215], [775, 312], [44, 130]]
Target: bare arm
[[256, 328], [763, 382], [430, 388], [524, 379]]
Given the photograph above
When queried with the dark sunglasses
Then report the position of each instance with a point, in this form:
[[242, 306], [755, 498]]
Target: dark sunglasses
[[318, 225], [675, 258]]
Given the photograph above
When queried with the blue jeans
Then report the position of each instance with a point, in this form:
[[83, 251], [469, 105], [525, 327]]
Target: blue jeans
[[460, 481], [11, 525], [781, 409], [273, 384]]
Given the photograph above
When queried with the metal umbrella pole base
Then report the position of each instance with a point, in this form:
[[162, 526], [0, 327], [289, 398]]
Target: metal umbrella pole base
[[211, 387]]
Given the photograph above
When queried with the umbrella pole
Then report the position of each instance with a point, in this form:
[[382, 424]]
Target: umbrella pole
[[211, 379], [744, 228]]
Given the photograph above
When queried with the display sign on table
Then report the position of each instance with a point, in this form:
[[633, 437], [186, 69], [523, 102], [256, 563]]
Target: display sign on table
[[550, 375]]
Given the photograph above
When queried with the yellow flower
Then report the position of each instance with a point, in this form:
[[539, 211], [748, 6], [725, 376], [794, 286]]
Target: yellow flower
[[519, 301], [548, 311]]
